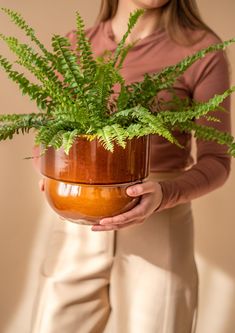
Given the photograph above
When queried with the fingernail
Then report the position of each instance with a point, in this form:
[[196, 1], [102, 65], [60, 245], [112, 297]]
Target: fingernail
[[131, 191]]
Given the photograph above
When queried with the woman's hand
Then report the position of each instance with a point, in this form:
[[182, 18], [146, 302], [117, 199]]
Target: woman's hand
[[151, 197]]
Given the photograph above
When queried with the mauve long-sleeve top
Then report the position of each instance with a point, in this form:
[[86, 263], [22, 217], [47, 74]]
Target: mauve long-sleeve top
[[204, 79]]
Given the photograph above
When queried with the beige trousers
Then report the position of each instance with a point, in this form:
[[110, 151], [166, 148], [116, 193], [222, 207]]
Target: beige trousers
[[142, 279]]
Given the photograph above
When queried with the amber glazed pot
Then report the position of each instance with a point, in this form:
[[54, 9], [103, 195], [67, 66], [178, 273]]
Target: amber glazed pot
[[90, 182]]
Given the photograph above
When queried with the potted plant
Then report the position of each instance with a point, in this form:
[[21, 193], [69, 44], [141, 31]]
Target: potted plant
[[95, 143]]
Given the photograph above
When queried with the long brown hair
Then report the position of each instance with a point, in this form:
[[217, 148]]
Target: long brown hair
[[177, 16]]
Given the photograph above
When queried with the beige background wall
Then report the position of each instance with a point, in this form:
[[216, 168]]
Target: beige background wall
[[25, 220]]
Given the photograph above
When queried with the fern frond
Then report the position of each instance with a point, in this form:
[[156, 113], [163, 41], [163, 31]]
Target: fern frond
[[15, 117], [56, 133], [24, 51], [142, 92], [167, 77], [84, 50], [105, 137], [34, 91], [196, 110], [123, 98], [131, 23], [8, 130], [136, 130], [16, 124], [68, 139], [209, 134], [146, 120], [57, 140], [123, 53], [86, 102], [21, 23], [47, 132], [127, 113], [67, 62], [119, 135], [37, 66], [106, 77], [72, 114], [155, 125]]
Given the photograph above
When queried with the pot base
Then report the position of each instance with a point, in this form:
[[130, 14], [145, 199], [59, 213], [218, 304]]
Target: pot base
[[87, 204]]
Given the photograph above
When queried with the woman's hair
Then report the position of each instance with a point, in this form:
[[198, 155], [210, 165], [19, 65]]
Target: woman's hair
[[177, 15]]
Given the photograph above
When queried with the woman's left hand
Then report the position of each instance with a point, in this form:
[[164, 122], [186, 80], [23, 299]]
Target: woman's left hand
[[151, 197]]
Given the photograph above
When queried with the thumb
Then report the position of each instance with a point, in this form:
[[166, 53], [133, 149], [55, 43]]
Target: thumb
[[140, 189]]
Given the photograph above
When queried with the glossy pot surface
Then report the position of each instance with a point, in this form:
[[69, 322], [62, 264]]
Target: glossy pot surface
[[87, 204], [90, 182], [88, 162]]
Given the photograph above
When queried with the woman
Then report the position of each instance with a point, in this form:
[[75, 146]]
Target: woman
[[139, 274]]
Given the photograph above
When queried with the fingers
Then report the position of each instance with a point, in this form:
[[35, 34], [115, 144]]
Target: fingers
[[98, 227], [135, 213], [151, 196]]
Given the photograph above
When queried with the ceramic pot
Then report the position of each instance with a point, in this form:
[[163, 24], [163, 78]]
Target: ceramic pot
[[90, 182]]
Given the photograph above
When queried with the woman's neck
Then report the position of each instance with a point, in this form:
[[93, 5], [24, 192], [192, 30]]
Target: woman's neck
[[146, 24]]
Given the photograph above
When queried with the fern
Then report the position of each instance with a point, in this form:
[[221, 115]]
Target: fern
[[167, 77], [105, 136], [106, 77], [84, 50], [155, 125], [196, 110], [142, 92], [37, 66], [46, 133], [28, 117], [209, 134], [120, 51], [67, 62], [124, 53], [75, 93], [34, 91], [21, 23], [23, 123], [74, 114], [68, 139], [57, 139], [111, 134], [119, 135]]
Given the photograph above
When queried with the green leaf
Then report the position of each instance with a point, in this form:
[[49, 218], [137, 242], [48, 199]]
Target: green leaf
[[142, 92], [84, 50], [21, 23], [209, 134], [78, 93], [131, 23], [196, 110], [68, 140]]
